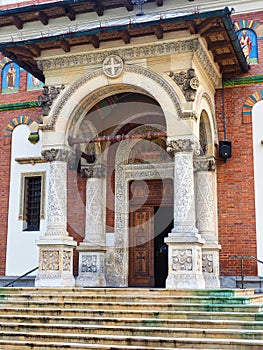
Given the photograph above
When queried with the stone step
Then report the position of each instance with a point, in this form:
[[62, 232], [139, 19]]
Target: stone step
[[68, 304], [22, 345], [129, 291], [128, 331], [136, 341], [134, 322], [45, 312], [131, 298]]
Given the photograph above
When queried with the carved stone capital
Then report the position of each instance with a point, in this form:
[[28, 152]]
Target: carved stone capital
[[181, 145], [56, 154], [188, 83], [204, 164], [94, 171]]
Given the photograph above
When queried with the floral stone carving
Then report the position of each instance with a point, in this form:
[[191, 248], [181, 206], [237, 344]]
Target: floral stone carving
[[188, 83]]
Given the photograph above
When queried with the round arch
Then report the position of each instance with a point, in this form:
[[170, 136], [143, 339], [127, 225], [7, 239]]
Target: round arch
[[74, 101]]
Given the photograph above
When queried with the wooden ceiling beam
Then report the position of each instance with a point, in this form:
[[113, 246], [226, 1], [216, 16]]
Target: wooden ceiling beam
[[34, 49], [158, 31], [216, 44], [126, 37], [43, 18], [211, 31], [128, 5], [202, 27], [25, 52], [17, 22], [99, 7], [95, 41], [192, 27], [70, 13], [64, 45], [159, 2], [222, 57], [229, 68]]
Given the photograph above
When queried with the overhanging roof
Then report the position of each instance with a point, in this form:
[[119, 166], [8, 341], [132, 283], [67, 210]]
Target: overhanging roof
[[22, 46]]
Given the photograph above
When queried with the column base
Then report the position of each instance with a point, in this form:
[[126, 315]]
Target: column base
[[91, 266], [185, 261], [55, 263]]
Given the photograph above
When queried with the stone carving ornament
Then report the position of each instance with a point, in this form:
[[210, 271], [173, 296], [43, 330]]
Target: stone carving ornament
[[112, 66], [182, 260], [207, 262], [180, 145], [46, 99], [50, 260], [93, 171], [188, 83], [54, 154], [89, 263]]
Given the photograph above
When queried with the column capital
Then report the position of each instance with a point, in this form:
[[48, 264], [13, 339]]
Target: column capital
[[56, 154], [183, 145], [204, 164], [94, 171]]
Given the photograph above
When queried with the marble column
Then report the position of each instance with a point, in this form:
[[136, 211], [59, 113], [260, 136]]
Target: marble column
[[56, 247], [92, 249], [184, 242], [206, 219]]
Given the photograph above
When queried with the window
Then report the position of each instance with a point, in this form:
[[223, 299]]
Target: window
[[31, 202]]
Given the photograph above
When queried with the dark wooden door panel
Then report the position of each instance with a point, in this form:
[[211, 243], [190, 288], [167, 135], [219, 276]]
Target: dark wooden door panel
[[141, 248]]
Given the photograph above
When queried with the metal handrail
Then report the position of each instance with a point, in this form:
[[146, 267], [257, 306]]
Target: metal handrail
[[242, 258], [20, 277]]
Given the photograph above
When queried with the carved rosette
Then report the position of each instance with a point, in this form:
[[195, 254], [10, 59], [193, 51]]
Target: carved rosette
[[182, 260]]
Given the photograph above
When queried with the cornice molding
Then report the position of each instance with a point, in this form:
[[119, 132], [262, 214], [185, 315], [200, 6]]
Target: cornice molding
[[193, 44]]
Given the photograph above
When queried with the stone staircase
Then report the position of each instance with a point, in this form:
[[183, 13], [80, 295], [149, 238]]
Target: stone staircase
[[129, 318]]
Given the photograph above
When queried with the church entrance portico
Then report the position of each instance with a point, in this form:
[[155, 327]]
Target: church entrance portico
[[119, 146]]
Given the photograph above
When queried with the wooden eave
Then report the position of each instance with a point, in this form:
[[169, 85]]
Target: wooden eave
[[215, 32]]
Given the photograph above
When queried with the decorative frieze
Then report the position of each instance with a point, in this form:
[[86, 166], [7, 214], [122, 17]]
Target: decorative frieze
[[136, 52], [67, 259], [188, 83]]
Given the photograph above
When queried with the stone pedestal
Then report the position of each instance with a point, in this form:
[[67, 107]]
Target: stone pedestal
[[205, 190], [185, 261], [92, 249], [56, 247], [184, 242]]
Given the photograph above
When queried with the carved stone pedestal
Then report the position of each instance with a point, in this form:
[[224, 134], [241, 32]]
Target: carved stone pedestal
[[92, 249], [91, 267], [55, 263], [210, 263], [56, 247], [185, 261]]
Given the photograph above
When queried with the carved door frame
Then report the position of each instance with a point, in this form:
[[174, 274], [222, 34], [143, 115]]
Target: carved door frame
[[124, 174]]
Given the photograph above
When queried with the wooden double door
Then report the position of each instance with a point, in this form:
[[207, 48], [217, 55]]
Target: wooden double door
[[151, 219]]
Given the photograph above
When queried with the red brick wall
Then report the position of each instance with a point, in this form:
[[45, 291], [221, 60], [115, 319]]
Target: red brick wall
[[236, 203]]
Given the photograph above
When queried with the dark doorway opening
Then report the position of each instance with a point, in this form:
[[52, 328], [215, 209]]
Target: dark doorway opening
[[163, 224]]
